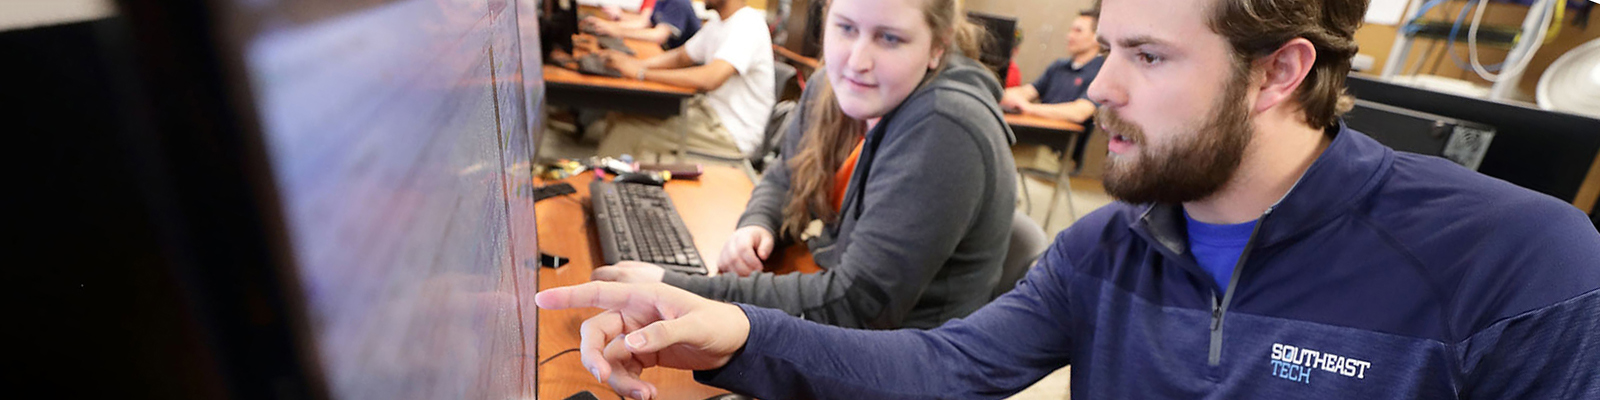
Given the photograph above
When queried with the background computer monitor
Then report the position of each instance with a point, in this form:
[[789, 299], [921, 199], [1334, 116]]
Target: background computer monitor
[[277, 199], [997, 44], [811, 39], [558, 21], [1461, 142], [1549, 152]]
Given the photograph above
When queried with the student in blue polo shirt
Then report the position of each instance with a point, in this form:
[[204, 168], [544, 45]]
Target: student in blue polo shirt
[[669, 22], [1061, 92]]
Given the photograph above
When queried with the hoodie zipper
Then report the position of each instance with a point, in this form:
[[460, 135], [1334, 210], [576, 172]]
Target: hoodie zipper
[[1219, 309]]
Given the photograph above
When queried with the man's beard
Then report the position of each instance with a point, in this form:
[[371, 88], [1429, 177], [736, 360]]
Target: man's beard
[[1189, 168]]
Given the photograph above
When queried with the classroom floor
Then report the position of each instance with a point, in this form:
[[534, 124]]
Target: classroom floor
[[1087, 195]]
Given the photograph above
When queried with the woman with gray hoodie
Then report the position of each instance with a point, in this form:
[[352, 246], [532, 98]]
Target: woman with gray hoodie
[[899, 148]]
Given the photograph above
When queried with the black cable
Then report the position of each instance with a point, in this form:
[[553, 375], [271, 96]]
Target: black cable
[[562, 353], [568, 351]]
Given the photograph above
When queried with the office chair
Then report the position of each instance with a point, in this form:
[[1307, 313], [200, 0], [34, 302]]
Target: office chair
[[780, 118], [1028, 242], [782, 74]]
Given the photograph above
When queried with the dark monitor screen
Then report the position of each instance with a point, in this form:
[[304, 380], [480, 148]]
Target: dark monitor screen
[[999, 41]]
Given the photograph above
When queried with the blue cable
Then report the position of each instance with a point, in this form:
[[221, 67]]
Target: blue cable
[[1411, 27], [1454, 29]]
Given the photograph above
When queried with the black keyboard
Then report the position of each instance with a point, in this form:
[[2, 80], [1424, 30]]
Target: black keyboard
[[638, 223], [614, 43], [595, 64]]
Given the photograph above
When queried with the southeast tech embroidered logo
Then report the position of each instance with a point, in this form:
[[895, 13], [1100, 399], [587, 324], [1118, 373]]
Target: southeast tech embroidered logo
[[1296, 363]]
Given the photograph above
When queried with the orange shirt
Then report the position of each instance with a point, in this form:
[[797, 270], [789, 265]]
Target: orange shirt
[[841, 178]]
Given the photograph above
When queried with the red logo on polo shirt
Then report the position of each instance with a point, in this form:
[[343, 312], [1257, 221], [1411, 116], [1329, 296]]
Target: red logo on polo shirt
[[1078, 81]]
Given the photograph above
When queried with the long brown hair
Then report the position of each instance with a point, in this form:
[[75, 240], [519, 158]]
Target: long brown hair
[[832, 134]]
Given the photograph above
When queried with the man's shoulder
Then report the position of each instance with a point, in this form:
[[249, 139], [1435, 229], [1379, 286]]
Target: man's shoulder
[[1463, 226], [1058, 66], [1092, 68], [1498, 249], [1096, 242], [1432, 188], [676, 11], [747, 23], [745, 18], [1111, 223], [674, 4], [673, 7]]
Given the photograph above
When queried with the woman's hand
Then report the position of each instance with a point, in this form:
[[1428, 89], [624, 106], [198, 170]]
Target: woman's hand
[[629, 272], [745, 251]]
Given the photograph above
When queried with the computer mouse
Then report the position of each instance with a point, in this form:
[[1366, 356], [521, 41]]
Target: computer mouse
[[730, 396], [647, 178]]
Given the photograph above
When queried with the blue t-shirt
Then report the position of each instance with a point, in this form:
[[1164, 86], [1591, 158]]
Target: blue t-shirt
[[679, 17], [1217, 247], [1061, 83]]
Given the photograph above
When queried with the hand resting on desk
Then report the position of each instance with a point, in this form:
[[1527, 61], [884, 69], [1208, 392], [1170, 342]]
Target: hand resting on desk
[[596, 26], [629, 272], [628, 65], [745, 251], [646, 325], [1013, 101]]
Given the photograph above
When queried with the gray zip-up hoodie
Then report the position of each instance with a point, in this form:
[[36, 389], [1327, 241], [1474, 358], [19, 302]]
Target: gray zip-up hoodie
[[926, 217]]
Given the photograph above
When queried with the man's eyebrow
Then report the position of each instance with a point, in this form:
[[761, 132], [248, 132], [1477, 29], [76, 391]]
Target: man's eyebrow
[[1132, 41]]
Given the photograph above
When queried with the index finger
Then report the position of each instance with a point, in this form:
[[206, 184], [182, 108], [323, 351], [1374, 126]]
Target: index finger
[[607, 295]]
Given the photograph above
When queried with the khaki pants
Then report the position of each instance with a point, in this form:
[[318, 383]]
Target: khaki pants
[[642, 136]]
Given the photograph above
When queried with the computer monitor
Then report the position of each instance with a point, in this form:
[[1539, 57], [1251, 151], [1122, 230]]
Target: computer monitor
[[280, 199], [997, 45], [558, 21], [1549, 152], [811, 40], [1462, 142]]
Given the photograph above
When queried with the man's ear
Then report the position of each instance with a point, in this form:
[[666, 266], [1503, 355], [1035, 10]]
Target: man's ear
[[1285, 69]]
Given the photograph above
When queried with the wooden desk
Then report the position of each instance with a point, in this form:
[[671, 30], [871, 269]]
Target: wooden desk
[[1058, 135], [1039, 130], [811, 64], [570, 88], [710, 208]]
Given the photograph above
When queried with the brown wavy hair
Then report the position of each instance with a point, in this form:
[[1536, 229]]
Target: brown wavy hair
[[832, 134], [1257, 28]]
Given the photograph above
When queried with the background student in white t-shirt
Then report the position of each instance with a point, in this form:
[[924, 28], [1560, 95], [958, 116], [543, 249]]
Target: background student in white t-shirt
[[730, 60]]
